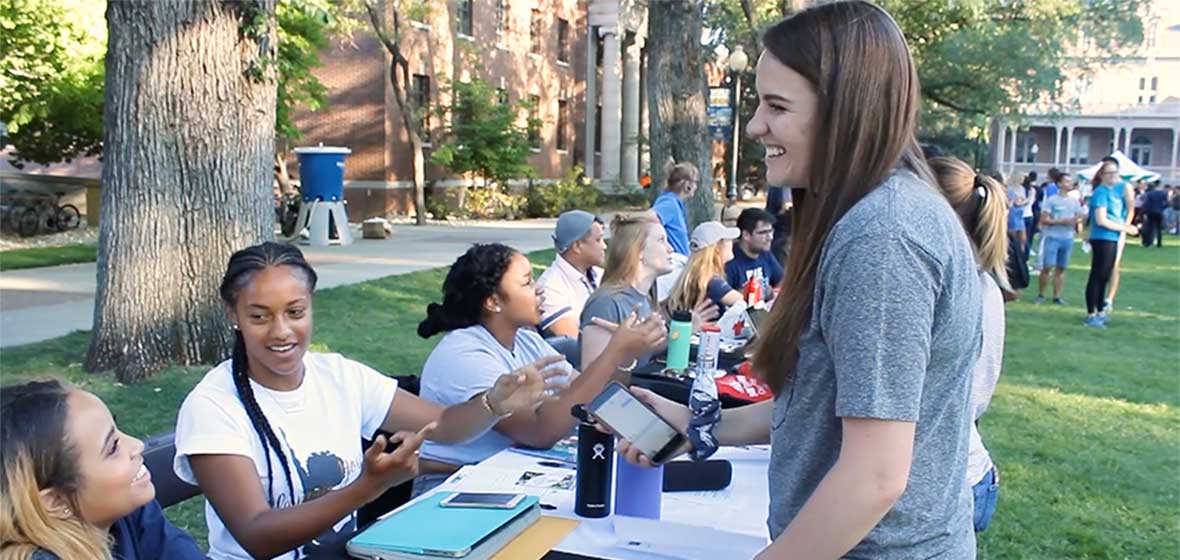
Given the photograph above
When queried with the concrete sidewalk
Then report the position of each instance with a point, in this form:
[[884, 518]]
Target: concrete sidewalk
[[42, 303]]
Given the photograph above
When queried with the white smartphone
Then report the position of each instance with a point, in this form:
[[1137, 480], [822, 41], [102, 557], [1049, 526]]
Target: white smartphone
[[629, 417], [481, 500]]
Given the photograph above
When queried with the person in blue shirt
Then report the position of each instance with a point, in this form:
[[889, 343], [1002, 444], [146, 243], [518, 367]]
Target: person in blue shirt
[[1108, 213], [1154, 203], [683, 181], [752, 255], [73, 485]]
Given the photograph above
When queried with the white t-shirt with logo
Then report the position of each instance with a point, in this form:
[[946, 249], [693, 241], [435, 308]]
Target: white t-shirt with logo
[[320, 426]]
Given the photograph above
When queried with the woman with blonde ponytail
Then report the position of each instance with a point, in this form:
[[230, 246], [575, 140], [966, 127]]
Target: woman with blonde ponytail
[[74, 486], [982, 205]]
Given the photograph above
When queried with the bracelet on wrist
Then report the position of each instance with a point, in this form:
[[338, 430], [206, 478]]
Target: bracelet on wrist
[[487, 403], [629, 367]]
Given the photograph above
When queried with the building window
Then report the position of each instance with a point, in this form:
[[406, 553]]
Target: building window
[[535, 32], [563, 40], [1142, 83], [534, 125], [1079, 151], [563, 119], [501, 18], [1024, 148], [420, 92], [1141, 150], [464, 14], [1155, 82]]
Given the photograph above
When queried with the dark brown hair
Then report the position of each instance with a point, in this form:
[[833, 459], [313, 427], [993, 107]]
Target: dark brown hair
[[844, 49]]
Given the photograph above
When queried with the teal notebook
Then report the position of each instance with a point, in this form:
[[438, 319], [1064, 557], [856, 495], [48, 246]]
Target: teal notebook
[[428, 529]]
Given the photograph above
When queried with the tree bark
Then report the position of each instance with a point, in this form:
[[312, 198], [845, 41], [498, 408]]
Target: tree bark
[[188, 138], [676, 98]]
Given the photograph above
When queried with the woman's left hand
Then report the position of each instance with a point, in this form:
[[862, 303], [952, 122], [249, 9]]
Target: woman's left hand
[[527, 387]]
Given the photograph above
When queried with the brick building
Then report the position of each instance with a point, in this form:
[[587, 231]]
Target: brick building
[[531, 49]]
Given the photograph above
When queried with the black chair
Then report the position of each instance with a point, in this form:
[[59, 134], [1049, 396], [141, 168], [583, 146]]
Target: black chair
[[158, 452], [400, 494]]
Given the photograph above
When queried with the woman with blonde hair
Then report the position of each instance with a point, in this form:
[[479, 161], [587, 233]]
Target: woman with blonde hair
[[870, 349], [73, 485], [704, 275], [638, 252], [982, 205]]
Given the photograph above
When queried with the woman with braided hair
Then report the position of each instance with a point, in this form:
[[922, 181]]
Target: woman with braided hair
[[489, 312], [272, 435]]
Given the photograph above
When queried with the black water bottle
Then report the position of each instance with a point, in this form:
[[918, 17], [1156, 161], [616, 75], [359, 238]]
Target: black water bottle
[[595, 468]]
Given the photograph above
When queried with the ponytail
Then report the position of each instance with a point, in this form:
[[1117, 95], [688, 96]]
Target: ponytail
[[473, 278], [982, 205]]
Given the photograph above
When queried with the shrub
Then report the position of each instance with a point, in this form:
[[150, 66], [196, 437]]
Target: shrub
[[573, 191]]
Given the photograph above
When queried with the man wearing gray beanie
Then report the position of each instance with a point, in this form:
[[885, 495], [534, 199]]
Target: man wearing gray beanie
[[574, 274]]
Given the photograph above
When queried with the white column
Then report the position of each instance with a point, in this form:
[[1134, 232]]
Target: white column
[[1003, 131], [629, 174], [612, 117], [591, 100], [1056, 145], [1012, 152], [1068, 146], [1175, 152], [1127, 140]]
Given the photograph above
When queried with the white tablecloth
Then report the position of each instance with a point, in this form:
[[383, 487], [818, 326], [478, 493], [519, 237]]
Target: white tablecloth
[[729, 523]]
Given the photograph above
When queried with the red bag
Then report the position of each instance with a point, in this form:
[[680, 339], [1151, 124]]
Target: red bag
[[743, 387]]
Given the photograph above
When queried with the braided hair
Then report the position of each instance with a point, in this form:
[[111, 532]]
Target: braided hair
[[243, 266], [473, 278]]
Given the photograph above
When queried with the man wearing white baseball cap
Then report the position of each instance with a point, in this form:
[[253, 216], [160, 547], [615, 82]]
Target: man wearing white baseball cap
[[574, 274], [704, 275]]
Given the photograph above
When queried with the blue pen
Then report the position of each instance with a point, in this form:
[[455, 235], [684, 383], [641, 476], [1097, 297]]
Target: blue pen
[[553, 464]]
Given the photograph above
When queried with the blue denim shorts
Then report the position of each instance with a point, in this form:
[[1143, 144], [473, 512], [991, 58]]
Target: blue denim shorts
[[986, 493], [1057, 251]]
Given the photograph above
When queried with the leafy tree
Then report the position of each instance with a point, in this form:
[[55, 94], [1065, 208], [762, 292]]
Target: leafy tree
[[51, 74], [976, 58], [389, 32], [484, 136]]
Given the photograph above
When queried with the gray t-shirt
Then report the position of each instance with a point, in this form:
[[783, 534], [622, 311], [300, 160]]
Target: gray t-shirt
[[1058, 207], [614, 304], [894, 333]]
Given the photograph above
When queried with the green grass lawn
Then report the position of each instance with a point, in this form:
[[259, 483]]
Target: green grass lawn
[[47, 256], [1085, 424]]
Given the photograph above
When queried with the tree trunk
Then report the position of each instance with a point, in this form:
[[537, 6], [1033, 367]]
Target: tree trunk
[[188, 138], [398, 65], [676, 98]]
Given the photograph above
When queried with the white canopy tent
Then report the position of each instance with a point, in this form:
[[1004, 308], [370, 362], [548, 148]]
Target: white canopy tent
[[1128, 169]]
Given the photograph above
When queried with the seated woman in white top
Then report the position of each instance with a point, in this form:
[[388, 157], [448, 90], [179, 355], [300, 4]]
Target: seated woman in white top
[[489, 313], [273, 435]]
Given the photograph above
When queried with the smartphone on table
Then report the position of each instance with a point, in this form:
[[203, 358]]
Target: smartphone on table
[[627, 416], [482, 500]]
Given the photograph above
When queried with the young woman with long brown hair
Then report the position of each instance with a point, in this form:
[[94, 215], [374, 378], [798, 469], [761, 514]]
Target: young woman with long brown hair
[[870, 347]]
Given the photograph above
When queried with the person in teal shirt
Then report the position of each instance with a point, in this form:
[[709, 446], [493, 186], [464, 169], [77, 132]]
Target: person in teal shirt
[[1108, 213]]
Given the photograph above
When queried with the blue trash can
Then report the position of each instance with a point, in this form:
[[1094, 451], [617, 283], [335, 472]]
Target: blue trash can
[[321, 172]]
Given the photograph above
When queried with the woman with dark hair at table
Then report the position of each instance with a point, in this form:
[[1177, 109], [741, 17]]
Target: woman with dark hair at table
[[489, 312], [869, 352], [273, 435]]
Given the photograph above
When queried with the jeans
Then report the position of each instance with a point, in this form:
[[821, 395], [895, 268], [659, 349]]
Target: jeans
[[986, 493]]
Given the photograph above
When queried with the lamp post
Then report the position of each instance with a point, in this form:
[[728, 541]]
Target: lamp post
[[737, 64]]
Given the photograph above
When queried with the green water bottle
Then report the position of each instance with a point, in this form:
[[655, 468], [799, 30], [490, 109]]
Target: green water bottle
[[679, 340]]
